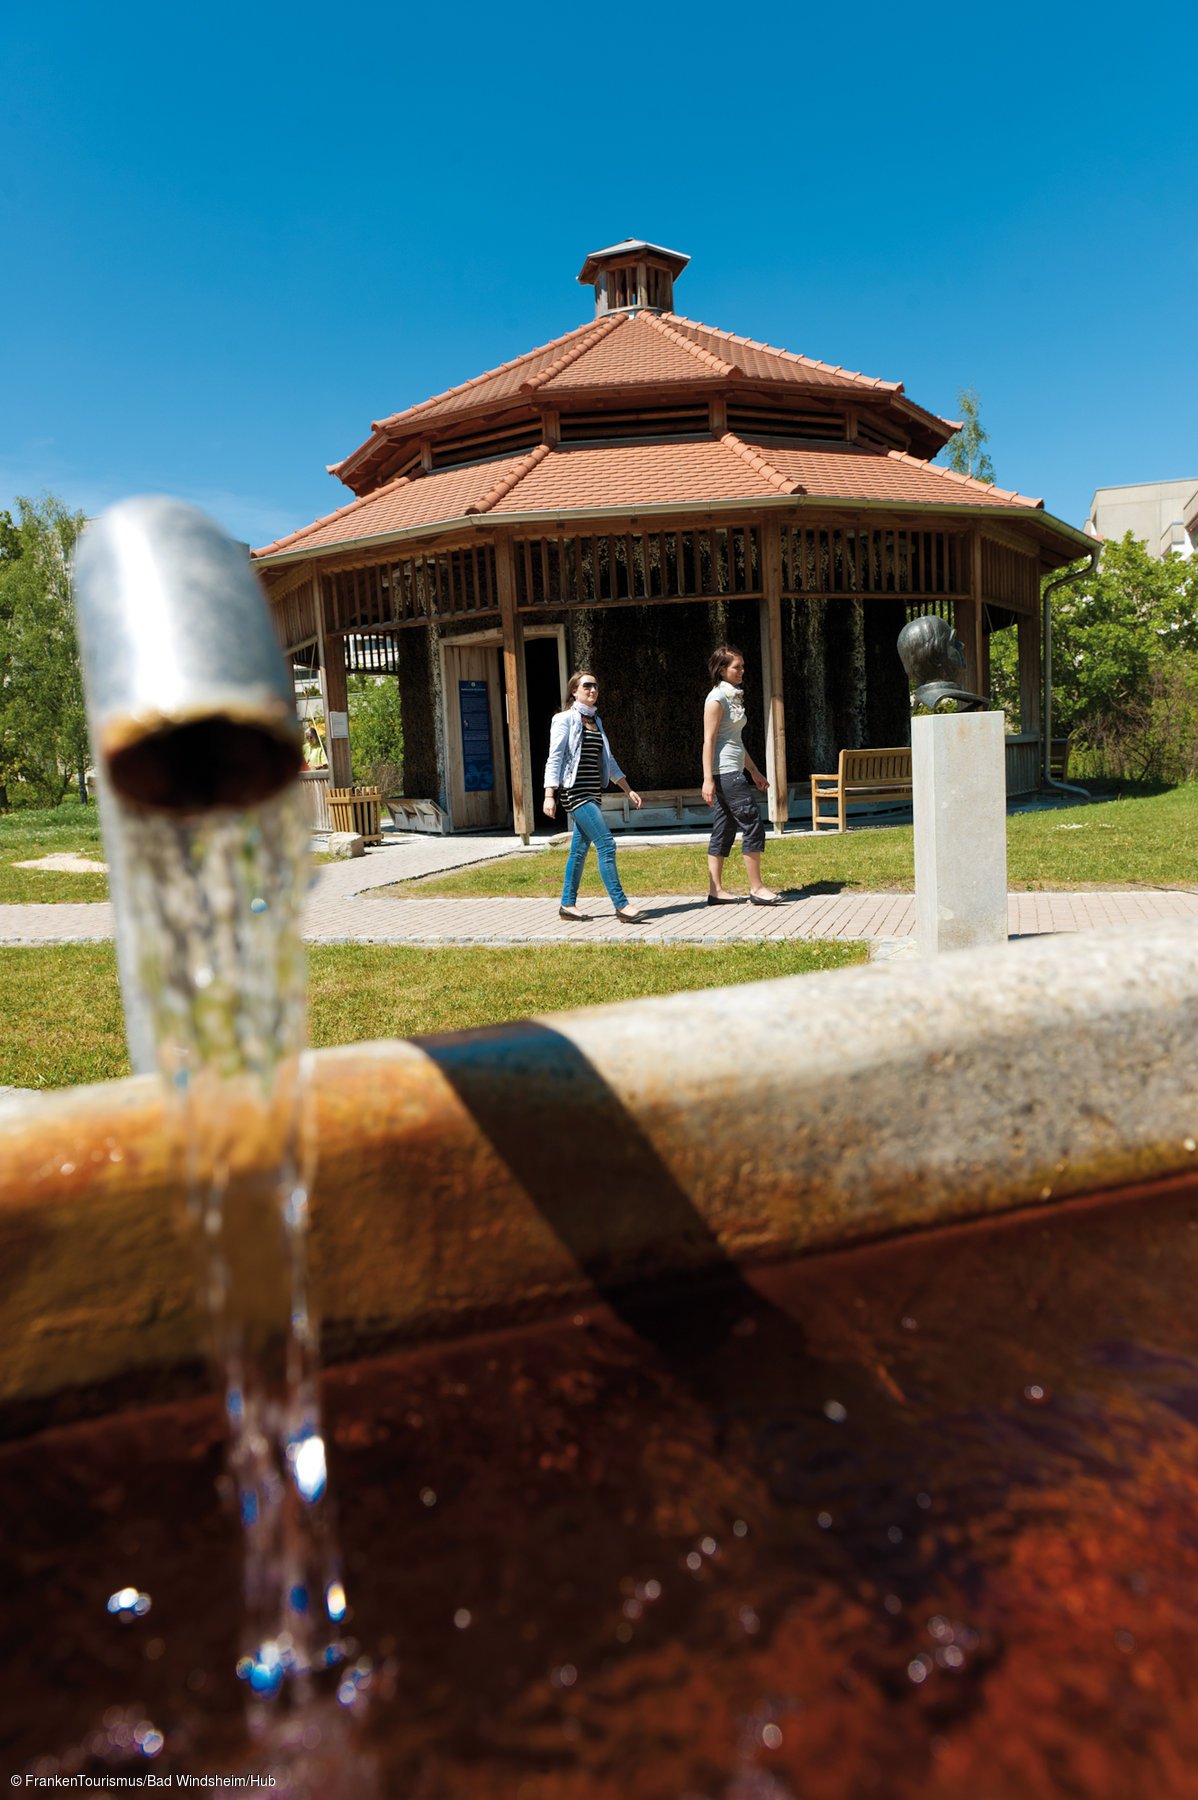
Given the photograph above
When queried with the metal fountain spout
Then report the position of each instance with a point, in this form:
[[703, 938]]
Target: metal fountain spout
[[190, 704]]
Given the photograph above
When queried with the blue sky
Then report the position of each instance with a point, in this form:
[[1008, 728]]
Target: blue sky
[[235, 235]]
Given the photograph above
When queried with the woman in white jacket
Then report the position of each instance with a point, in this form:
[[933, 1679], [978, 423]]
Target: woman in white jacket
[[579, 768]]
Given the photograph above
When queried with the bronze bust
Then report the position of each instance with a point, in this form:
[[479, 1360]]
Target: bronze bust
[[934, 658]]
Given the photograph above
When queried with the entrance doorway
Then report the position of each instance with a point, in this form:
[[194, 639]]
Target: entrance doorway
[[544, 686], [475, 736]]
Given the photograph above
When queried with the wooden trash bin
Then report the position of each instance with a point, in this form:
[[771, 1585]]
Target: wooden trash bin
[[357, 809]]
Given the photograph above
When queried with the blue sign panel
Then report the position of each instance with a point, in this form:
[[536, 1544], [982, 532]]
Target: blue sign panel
[[478, 762]]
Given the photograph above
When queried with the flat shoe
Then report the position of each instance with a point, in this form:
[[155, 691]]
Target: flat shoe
[[723, 899], [760, 900], [631, 918], [574, 918]]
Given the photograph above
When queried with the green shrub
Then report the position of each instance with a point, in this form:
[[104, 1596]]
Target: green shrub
[[376, 731]]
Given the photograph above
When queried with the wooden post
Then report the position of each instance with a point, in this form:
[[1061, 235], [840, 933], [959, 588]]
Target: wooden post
[[771, 675], [517, 699], [969, 619], [332, 691], [1027, 627], [341, 773], [318, 614]]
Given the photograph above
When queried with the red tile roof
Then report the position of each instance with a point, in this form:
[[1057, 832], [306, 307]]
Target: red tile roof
[[410, 501], [674, 473], [627, 476], [850, 473], [765, 363], [629, 349]]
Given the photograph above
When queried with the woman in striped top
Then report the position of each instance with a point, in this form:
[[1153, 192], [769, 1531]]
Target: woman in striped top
[[579, 768]]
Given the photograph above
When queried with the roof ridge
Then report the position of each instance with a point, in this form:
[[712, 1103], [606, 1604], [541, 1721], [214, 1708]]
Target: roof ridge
[[986, 487], [761, 465], [460, 387], [679, 337], [810, 362], [337, 513], [594, 333], [494, 495]]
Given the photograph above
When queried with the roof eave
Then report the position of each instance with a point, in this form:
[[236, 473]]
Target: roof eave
[[675, 260], [614, 394], [942, 429], [474, 522]]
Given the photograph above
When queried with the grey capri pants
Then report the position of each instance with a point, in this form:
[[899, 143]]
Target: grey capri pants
[[736, 808]]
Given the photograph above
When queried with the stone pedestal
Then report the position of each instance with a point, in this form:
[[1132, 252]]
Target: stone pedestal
[[959, 797]]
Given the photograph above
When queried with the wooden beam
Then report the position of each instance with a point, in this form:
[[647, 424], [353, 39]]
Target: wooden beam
[[1001, 535], [336, 698], [321, 655], [517, 698], [770, 608], [279, 582], [978, 671]]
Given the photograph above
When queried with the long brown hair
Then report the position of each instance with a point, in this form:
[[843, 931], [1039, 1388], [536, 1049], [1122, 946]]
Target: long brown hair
[[572, 686], [719, 659]]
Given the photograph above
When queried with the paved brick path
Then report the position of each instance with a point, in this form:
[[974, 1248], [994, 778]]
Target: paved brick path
[[342, 910]]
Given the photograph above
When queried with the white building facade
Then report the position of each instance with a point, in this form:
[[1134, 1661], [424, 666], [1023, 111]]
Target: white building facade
[[1162, 514]]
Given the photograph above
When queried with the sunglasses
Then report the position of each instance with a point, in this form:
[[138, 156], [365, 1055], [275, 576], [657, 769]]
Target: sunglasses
[[588, 684]]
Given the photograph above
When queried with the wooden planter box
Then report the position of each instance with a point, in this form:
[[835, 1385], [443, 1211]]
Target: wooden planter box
[[356, 809]]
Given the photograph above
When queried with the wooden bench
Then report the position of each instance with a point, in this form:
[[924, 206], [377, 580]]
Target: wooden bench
[[415, 815], [861, 775], [659, 807], [1058, 759]]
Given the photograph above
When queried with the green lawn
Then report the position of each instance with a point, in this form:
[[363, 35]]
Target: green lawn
[[1136, 839], [61, 1020], [1133, 838], [28, 833]]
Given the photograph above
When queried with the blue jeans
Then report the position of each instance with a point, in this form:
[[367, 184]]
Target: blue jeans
[[590, 827]]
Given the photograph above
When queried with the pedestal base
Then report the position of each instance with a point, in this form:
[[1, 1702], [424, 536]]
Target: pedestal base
[[959, 798]]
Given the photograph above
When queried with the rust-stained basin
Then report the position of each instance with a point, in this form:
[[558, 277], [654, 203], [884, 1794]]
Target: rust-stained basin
[[786, 1391]]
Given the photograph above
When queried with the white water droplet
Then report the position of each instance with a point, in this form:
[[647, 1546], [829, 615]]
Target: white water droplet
[[308, 1462]]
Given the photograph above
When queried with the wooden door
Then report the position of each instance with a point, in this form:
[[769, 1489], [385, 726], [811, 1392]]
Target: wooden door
[[474, 736]]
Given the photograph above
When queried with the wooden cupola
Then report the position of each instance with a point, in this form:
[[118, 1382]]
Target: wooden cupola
[[633, 277]]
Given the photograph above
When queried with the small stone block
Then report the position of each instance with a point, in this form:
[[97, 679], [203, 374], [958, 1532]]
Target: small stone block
[[346, 844]]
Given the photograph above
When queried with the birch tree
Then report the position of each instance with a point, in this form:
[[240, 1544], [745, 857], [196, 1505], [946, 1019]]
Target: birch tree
[[43, 729]]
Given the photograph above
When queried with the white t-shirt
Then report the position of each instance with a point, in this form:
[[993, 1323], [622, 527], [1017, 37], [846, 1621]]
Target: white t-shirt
[[729, 741]]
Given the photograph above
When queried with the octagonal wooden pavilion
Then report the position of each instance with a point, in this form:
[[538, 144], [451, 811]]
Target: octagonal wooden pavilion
[[626, 497]]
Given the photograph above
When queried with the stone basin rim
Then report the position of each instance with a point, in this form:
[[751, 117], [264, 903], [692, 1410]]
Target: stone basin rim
[[721, 1129]]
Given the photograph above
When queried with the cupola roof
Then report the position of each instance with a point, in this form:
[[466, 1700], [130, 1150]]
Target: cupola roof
[[641, 410]]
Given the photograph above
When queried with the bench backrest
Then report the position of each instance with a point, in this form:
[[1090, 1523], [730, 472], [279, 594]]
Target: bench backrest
[[890, 764]]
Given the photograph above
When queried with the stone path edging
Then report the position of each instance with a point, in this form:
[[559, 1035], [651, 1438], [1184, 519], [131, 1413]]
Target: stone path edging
[[341, 910]]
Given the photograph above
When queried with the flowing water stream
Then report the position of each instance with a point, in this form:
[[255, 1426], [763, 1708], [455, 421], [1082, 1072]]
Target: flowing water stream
[[217, 901]]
